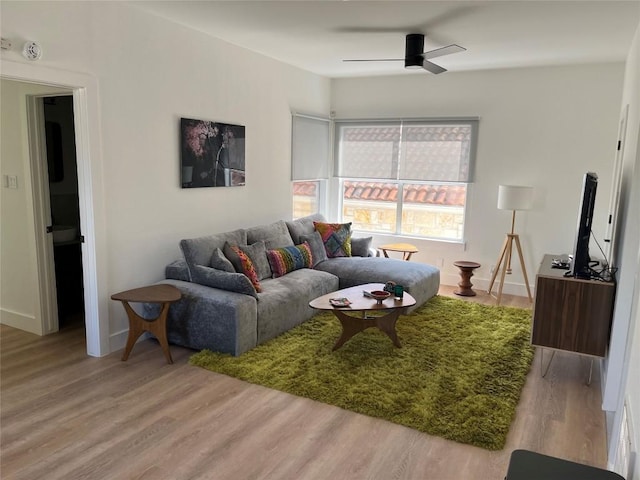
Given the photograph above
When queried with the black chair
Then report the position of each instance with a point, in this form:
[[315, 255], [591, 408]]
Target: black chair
[[527, 465]]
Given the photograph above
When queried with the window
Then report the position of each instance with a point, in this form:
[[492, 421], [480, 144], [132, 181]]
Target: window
[[310, 140], [406, 177], [306, 197]]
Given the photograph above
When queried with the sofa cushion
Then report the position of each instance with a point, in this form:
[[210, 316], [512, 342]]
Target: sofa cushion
[[419, 279], [287, 259], [336, 238], [232, 282], [220, 262], [303, 226], [258, 255], [242, 263], [360, 246], [198, 251], [284, 301], [318, 253], [275, 235]]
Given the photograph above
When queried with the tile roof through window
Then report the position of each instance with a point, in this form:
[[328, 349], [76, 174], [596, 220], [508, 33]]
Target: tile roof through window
[[445, 195]]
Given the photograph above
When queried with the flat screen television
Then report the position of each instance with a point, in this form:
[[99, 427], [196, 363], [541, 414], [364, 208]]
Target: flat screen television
[[581, 259]]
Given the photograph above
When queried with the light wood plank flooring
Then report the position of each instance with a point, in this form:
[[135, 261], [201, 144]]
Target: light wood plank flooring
[[68, 416]]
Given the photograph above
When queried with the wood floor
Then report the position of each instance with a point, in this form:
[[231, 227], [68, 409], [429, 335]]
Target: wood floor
[[68, 416]]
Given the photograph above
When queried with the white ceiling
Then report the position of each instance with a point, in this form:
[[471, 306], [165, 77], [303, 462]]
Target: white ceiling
[[316, 35]]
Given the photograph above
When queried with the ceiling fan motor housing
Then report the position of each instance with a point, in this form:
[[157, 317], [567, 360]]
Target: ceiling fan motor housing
[[414, 47]]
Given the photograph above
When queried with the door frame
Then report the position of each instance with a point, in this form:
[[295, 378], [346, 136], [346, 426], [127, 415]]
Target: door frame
[[616, 185], [90, 194], [42, 214]]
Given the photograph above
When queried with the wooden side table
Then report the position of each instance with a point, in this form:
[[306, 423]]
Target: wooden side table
[[405, 248], [466, 272], [163, 294]]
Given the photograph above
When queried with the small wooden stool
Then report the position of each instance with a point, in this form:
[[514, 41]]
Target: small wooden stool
[[161, 293], [466, 272], [405, 248]]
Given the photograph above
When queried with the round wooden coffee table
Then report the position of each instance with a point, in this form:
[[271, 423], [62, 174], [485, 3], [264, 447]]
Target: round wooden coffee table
[[466, 272], [361, 306]]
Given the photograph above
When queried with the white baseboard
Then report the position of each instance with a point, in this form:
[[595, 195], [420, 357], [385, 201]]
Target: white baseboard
[[117, 341], [21, 321], [481, 284]]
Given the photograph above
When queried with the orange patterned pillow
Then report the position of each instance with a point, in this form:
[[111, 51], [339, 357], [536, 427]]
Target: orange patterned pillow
[[243, 264]]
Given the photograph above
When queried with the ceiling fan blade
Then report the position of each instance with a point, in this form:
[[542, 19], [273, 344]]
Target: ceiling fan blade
[[438, 52], [370, 29], [375, 60], [432, 67]]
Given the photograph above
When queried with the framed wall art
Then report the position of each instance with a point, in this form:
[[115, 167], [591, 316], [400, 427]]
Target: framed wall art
[[212, 154]]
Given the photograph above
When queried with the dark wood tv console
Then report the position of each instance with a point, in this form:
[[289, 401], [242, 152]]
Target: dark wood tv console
[[571, 314]]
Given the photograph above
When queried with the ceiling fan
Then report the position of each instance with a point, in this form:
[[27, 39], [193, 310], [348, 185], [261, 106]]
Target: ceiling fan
[[416, 57]]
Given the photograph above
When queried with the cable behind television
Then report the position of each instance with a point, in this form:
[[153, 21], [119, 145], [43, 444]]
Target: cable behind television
[[606, 273]]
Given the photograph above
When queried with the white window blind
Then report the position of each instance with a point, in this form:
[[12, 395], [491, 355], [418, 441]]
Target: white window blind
[[422, 150], [310, 141]]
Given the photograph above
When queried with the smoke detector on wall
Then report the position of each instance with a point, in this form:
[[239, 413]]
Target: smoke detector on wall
[[32, 51]]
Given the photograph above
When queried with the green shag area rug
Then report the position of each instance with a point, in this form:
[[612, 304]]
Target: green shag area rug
[[458, 375]]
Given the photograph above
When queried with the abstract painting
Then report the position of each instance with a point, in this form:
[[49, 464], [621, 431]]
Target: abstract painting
[[212, 154]]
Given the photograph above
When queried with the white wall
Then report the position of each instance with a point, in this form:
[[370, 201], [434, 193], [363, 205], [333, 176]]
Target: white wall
[[150, 73], [543, 127], [19, 300], [623, 379]]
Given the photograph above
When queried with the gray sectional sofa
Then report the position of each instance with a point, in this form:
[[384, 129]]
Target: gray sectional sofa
[[221, 310]]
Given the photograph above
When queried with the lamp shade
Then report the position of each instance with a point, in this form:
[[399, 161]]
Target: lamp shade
[[513, 197]]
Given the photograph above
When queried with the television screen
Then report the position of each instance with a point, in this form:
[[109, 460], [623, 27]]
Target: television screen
[[581, 260]]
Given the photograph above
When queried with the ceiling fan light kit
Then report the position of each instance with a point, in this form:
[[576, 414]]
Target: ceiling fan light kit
[[415, 56], [413, 63]]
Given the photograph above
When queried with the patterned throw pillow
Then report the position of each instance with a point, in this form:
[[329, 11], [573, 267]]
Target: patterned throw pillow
[[257, 253], [287, 259], [318, 253], [336, 238], [240, 259]]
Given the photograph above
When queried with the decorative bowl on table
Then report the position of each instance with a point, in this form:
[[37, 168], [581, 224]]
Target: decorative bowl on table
[[380, 295]]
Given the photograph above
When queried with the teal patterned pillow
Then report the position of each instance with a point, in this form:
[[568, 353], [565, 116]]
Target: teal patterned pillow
[[287, 259], [336, 238]]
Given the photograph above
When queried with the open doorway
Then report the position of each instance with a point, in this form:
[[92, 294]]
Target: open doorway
[[62, 176], [32, 303]]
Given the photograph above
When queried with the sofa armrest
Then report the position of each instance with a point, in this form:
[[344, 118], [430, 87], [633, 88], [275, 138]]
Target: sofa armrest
[[210, 318]]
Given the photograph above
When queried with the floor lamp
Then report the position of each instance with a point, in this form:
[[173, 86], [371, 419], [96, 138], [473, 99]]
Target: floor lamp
[[511, 197]]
